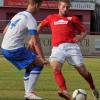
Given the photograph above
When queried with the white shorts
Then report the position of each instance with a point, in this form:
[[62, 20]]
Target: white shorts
[[67, 51]]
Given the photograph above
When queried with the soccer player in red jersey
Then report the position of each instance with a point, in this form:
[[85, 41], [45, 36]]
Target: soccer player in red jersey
[[64, 41]]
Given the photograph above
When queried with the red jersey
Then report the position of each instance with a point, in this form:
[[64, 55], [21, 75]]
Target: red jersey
[[64, 29]]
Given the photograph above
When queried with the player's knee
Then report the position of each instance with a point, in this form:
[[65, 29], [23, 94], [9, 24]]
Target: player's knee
[[82, 70], [28, 69], [56, 71], [56, 65], [34, 68]]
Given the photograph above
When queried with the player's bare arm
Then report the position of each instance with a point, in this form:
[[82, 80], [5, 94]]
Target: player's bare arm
[[34, 45], [80, 37], [5, 30], [40, 27]]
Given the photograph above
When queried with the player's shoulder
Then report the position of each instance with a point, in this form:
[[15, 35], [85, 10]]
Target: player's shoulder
[[24, 13], [21, 15], [74, 18], [28, 16]]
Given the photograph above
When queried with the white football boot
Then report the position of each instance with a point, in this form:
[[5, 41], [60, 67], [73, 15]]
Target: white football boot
[[32, 96]]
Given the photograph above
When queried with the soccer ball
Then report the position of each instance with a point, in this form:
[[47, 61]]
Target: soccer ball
[[79, 94]]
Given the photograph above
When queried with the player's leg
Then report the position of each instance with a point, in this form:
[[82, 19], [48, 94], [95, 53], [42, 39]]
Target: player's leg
[[58, 76], [34, 70], [88, 77], [76, 59], [59, 79], [56, 60], [24, 59], [26, 80], [33, 77], [26, 76], [32, 80], [33, 65]]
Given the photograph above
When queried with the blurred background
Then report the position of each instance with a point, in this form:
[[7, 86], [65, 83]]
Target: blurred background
[[88, 12]]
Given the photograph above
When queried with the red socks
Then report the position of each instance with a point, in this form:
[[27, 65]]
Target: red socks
[[60, 81], [90, 81]]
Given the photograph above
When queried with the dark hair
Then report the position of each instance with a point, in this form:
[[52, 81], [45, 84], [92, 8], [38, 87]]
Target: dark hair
[[38, 1], [35, 1], [66, 1]]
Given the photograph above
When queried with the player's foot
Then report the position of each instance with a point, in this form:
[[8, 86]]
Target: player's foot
[[64, 95], [96, 94], [32, 96]]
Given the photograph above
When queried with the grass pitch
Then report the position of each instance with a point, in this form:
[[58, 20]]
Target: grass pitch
[[11, 80]]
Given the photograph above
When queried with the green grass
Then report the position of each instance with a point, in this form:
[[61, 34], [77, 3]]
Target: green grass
[[11, 80]]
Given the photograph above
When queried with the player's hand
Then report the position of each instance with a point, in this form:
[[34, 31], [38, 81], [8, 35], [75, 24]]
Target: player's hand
[[77, 39], [45, 61]]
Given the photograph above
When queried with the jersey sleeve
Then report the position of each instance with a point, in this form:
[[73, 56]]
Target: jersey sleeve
[[78, 25], [46, 21], [32, 26]]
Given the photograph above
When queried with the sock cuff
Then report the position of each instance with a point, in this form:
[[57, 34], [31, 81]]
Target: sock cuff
[[26, 76], [36, 69]]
